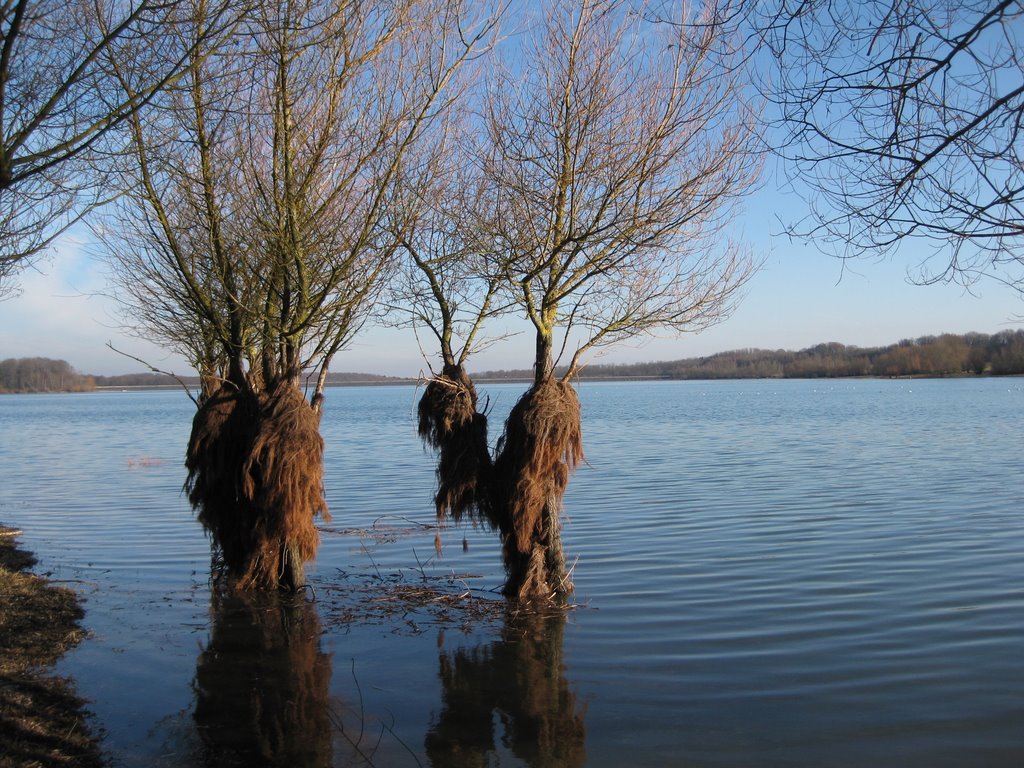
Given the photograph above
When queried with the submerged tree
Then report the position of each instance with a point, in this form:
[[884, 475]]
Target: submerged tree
[[609, 154], [441, 289], [614, 165], [59, 104], [253, 241]]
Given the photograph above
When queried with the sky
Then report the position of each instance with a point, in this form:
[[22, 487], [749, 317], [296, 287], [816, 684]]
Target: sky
[[800, 297]]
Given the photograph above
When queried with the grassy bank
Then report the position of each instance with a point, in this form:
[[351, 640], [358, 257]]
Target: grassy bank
[[42, 720]]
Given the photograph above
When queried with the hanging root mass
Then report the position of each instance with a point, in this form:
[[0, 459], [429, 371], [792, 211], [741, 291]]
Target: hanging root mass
[[255, 464], [521, 493], [542, 444], [450, 424]]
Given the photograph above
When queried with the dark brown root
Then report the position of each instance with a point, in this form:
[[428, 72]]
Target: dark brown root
[[222, 434], [543, 443], [256, 478], [450, 424]]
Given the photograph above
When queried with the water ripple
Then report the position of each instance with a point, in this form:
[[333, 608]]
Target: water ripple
[[769, 573]]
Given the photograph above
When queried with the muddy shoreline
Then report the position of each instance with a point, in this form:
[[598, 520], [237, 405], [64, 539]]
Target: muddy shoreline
[[43, 722]]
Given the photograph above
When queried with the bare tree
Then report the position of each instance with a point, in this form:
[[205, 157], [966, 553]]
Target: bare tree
[[903, 120], [608, 157], [614, 162], [257, 240], [442, 290], [59, 103]]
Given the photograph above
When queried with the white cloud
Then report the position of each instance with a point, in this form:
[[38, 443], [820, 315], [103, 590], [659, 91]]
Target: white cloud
[[62, 312]]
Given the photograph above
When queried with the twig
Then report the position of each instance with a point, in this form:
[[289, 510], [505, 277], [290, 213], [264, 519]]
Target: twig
[[390, 729], [565, 579], [362, 543], [340, 725], [425, 526], [362, 708], [568, 574], [419, 565], [188, 390]]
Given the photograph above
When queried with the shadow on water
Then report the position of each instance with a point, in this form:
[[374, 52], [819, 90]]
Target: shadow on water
[[262, 684], [511, 694]]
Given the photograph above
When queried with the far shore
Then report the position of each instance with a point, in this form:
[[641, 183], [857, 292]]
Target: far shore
[[400, 382], [397, 382], [945, 356]]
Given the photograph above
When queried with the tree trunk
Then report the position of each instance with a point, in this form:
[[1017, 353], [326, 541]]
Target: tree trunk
[[255, 464], [544, 358], [450, 423], [293, 571], [539, 573], [541, 446]]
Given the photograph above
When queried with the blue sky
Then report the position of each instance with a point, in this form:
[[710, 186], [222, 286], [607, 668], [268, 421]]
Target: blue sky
[[799, 298]]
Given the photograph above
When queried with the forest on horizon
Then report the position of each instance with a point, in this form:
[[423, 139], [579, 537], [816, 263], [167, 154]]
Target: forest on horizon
[[999, 354]]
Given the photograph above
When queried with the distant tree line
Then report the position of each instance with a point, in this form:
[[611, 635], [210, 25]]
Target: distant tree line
[[145, 380], [41, 374], [946, 355], [166, 380], [1000, 354]]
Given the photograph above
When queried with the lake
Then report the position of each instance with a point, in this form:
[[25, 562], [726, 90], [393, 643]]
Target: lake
[[791, 573]]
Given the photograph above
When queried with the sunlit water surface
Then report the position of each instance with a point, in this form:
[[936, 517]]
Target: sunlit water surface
[[767, 573]]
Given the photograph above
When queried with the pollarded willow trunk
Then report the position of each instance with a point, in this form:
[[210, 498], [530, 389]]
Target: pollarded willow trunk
[[450, 424], [541, 446], [255, 463], [521, 494]]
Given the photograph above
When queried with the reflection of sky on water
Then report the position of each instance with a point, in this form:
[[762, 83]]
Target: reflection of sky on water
[[510, 695], [262, 683], [769, 571]]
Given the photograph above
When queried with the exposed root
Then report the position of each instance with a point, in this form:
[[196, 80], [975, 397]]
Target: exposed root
[[282, 478], [256, 478], [450, 423], [222, 434], [542, 444]]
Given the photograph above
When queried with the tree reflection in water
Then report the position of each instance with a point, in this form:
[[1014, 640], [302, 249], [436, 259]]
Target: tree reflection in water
[[516, 684], [262, 683]]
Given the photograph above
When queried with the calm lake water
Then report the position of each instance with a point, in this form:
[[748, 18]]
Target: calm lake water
[[785, 573]]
